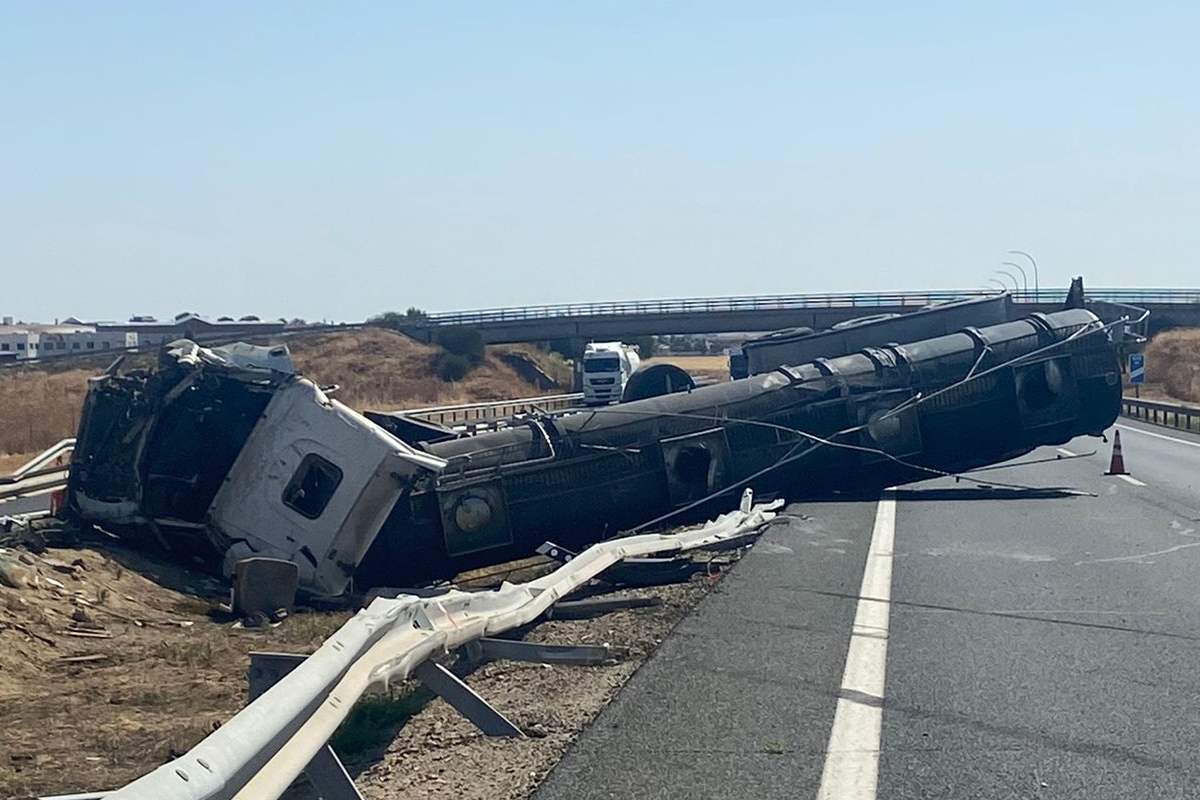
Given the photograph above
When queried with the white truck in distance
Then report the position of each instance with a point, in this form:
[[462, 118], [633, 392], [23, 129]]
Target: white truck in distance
[[607, 367]]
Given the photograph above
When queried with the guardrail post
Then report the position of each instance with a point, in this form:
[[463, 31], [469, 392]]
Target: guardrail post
[[491, 649], [325, 771], [465, 700]]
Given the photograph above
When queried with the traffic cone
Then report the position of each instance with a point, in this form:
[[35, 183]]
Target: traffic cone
[[1117, 465]]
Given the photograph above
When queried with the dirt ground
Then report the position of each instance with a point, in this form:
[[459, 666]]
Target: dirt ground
[[111, 663], [715, 367]]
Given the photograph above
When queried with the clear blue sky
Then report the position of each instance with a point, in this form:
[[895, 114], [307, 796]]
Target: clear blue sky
[[335, 160]]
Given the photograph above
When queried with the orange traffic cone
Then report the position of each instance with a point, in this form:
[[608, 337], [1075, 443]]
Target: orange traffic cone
[[1117, 465]]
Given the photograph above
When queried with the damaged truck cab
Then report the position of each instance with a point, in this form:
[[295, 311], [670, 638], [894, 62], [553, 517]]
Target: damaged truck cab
[[223, 454]]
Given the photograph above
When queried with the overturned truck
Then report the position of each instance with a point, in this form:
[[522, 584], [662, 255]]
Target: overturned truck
[[219, 455]]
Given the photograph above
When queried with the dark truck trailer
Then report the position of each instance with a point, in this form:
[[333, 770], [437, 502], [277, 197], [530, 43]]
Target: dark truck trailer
[[800, 346], [967, 399], [224, 454]]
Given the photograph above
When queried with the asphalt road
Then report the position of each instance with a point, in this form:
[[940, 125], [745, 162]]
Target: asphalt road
[[26, 505], [1010, 645]]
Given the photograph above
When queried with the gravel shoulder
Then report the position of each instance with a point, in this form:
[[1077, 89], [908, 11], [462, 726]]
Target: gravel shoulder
[[439, 754]]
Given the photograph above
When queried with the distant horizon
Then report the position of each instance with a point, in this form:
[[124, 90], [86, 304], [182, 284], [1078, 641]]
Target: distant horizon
[[316, 162]]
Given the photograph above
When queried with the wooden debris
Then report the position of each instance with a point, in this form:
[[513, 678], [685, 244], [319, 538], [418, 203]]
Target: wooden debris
[[84, 659], [29, 633]]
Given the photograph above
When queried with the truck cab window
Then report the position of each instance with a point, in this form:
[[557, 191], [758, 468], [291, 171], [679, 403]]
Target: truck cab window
[[601, 365], [312, 486]]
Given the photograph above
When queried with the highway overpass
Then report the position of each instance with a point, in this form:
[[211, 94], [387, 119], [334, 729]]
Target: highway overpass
[[631, 318]]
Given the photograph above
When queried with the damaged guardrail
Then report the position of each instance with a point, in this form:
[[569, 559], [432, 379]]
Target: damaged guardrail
[[40, 474], [284, 732], [1171, 415]]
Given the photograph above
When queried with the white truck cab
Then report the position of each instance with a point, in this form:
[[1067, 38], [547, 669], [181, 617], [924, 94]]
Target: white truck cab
[[607, 367]]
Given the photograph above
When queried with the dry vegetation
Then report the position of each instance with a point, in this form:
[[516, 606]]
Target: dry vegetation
[[37, 408], [105, 669], [384, 370], [1173, 364], [375, 368], [714, 367]]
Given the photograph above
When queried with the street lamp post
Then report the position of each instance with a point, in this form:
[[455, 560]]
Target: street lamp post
[[1013, 278], [1024, 277], [1036, 284]]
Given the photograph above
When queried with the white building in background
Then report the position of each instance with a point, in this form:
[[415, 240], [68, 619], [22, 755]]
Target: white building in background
[[22, 340]]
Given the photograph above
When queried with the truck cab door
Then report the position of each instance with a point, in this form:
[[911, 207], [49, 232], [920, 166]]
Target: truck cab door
[[313, 485]]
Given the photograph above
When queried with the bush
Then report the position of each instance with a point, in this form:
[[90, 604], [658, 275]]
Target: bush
[[452, 367], [465, 342], [395, 320]]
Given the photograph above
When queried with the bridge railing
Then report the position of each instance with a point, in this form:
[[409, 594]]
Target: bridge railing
[[780, 302]]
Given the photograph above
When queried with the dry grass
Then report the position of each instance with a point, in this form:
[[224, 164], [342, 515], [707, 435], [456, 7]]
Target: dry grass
[[37, 408], [715, 367], [159, 688], [553, 364], [376, 369], [1173, 363], [384, 370]]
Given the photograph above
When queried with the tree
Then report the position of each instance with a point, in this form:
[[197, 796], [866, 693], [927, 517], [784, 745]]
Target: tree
[[451, 367], [395, 320]]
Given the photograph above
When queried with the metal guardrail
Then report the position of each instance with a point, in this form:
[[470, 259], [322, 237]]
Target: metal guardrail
[[866, 300], [259, 752], [1171, 415], [38, 475], [492, 411]]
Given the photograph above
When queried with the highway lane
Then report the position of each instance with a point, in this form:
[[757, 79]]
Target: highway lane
[[25, 505], [1037, 646], [1046, 648]]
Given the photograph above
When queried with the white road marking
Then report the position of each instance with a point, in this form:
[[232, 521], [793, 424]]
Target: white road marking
[[1131, 479], [1158, 435], [1066, 452], [852, 757]]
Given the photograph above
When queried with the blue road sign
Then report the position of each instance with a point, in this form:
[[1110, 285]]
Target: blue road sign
[[1137, 367]]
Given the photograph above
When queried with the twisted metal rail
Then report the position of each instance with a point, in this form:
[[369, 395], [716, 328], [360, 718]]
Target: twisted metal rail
[[259, 752]]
